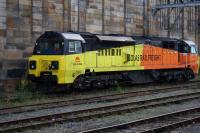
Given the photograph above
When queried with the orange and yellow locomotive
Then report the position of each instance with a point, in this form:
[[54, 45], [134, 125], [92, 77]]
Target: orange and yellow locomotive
[[83, 59]]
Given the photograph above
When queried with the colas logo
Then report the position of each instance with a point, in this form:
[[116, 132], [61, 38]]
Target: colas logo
[[77, 59]]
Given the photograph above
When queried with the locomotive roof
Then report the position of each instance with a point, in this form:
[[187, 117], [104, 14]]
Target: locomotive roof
[[154, 38], [109, 37], [72, 36], [114, 38], [68, 35], [190, 43], [80, 36]]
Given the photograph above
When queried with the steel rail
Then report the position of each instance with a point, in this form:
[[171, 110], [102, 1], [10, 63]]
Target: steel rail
[[111, 97], [97, 112], [172, 126], [128, 125]]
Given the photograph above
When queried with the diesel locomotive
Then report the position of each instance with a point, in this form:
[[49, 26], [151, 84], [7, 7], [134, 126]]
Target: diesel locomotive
[[82, 60]]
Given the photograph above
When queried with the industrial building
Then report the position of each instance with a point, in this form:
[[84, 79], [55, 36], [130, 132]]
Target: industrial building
[[22, 21]]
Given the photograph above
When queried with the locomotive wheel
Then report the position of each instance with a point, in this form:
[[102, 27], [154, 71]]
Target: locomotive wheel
[[98, 84], [189, 74], [169, 78]]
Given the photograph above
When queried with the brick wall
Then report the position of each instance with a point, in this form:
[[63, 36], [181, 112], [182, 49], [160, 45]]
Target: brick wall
[[3, 27], [22, 21], [94, 21]]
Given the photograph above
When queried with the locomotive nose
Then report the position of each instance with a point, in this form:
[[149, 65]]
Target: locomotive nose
[[48, 65], [46, 68]]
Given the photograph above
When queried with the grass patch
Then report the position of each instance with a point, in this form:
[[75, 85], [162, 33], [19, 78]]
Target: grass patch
[[24, 92], [22, 95], [118, 89]]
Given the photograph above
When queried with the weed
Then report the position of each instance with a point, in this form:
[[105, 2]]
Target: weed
[[22, 95], [118, 89]]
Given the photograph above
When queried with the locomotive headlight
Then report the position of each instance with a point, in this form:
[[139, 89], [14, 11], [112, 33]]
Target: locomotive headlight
[[32, 65], [54, 65]]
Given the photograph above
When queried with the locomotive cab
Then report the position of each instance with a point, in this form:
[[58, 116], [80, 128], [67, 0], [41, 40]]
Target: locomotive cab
[[192, 57], [188, 57], [49, 60]]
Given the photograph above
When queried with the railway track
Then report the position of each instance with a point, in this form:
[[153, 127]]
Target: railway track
[[128, 107], [104, 98], [155, 124]]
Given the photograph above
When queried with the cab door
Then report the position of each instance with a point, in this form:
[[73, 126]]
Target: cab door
[[75, 60], [193, 55], [194, 63], [183, 55]]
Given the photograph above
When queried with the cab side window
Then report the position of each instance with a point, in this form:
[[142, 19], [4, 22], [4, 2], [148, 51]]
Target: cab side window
[[193, 50], [78, 47], [71, 47], [184, 48], [75, 46]]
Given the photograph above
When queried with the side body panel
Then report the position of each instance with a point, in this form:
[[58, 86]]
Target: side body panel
[[127, 58]]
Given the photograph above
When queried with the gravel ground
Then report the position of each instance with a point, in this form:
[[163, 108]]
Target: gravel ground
[[110, 120], [195, 128], [34, 98], [147, 126], [91, 105], [107, 121]]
